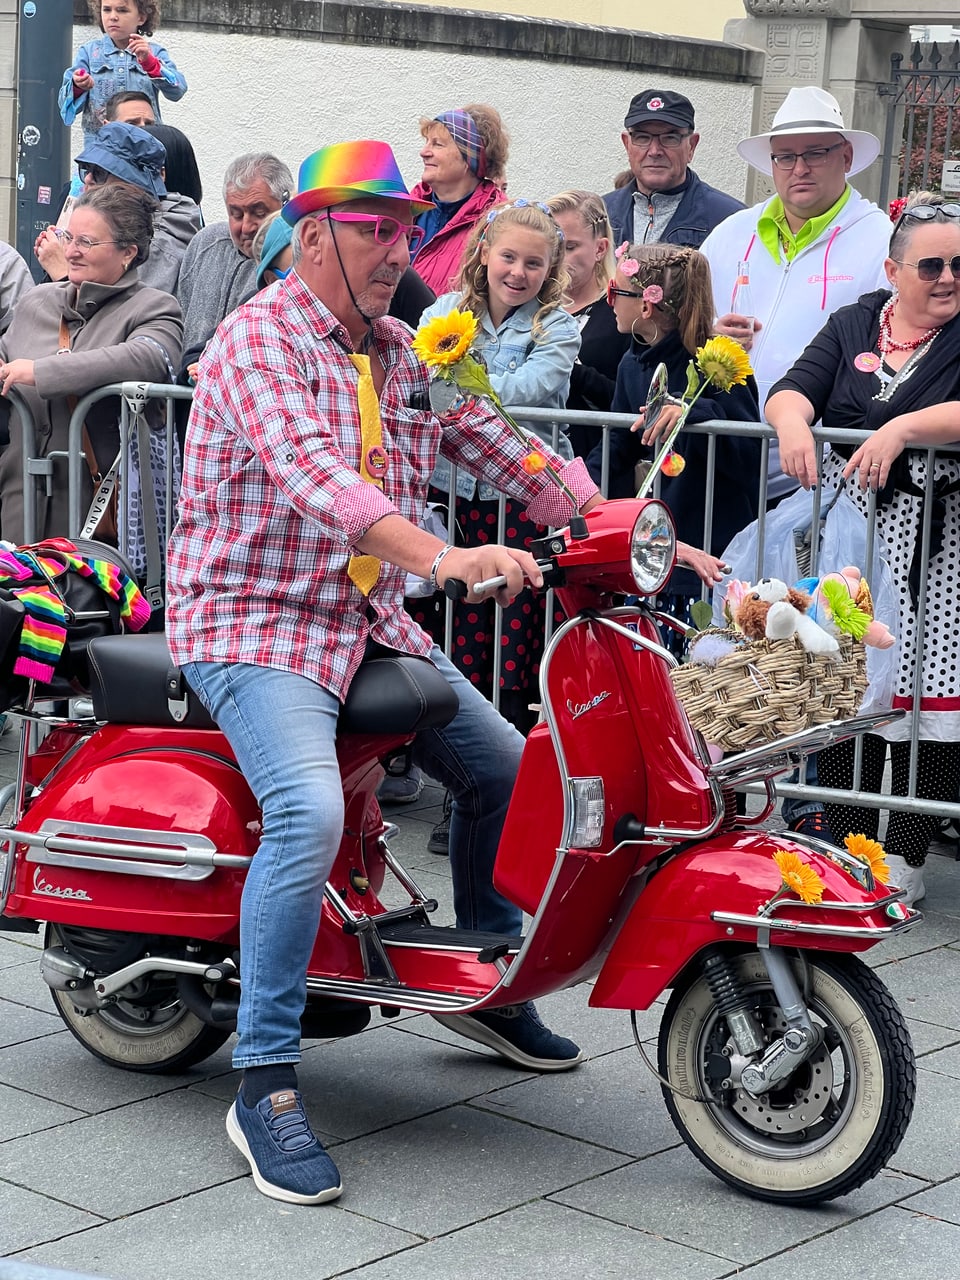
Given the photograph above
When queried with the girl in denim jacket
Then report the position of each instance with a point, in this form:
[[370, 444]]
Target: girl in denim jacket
[[121, 58], [513, 280]]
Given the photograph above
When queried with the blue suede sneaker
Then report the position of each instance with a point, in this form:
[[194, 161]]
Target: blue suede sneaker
[[516, 1032], [287, 1161]]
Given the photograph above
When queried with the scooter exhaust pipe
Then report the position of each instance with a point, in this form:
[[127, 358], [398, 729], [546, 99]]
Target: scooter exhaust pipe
[[215, 1011]]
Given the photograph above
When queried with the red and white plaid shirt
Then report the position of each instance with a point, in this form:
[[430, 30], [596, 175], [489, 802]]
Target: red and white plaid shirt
[[273, 504]]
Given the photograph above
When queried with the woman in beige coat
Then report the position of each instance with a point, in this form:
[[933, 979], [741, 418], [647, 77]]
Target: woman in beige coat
[[98, 326]]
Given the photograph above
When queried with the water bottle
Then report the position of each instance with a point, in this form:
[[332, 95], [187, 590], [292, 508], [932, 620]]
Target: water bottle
[[742, 299]]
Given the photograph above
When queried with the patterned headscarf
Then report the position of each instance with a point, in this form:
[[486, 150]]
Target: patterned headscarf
[[463, 130]]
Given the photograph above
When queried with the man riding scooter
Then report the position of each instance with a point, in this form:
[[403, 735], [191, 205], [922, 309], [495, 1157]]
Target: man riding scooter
[[308, 451]]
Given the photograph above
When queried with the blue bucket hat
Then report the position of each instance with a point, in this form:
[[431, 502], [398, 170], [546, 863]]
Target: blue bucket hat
[[128, 153], [278, 236]]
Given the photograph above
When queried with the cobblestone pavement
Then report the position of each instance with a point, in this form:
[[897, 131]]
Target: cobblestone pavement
[[456, 1165]]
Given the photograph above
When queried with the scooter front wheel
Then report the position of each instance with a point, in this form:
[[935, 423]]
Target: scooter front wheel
[[151, 1030], [831, 1125]]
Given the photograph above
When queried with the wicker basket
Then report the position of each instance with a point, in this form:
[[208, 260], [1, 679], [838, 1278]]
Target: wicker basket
[[769, 688]]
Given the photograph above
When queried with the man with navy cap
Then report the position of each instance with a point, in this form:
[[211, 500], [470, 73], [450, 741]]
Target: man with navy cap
[[666, 202]]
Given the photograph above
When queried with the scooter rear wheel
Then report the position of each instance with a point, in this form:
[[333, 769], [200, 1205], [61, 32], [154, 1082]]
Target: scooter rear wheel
[[151, 1031], [829, 1127]]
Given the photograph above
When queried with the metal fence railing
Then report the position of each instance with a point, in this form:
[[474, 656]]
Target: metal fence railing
[[37, 471]]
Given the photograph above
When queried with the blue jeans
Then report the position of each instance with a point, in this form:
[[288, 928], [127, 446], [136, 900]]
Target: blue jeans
[[793, 808], [282, 728]]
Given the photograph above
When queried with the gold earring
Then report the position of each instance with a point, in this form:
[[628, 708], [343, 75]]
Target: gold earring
[[477, 286]]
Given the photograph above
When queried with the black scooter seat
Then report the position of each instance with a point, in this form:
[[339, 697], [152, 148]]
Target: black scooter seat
[[391, 693]]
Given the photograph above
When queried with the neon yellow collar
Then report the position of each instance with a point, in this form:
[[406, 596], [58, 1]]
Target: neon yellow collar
[[774, 230]]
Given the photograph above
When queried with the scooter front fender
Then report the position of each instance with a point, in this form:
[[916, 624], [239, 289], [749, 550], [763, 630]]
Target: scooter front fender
[[711, 893]]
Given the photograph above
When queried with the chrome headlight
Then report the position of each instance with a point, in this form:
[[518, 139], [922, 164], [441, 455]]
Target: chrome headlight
[[653, 545]]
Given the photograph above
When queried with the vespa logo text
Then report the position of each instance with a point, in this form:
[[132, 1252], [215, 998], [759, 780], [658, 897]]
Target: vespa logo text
[[48, 890], [578, 709]]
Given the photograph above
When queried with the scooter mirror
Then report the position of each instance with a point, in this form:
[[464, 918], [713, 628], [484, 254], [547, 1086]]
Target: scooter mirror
[[657, 397]]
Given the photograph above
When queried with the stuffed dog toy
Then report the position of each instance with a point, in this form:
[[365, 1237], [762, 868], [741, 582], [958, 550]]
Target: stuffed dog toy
[[771, 610]]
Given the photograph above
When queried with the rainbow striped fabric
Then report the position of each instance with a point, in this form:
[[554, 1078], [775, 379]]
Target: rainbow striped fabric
[[44, 630]]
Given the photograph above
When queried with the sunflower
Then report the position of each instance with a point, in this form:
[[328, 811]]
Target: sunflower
[[872, 853], [723, 362], [443, 341], [798, 876]]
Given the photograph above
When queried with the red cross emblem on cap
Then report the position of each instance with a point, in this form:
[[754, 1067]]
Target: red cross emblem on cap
[[655, 104]]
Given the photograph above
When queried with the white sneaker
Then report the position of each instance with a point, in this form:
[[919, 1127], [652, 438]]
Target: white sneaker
[[906, 877]]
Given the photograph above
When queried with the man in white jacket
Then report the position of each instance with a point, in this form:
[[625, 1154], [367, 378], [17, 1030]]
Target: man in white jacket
[[815, 246]]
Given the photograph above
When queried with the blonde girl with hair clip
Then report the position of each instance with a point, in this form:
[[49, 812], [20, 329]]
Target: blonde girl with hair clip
[[662, 299], [513, 280], [588, 258]]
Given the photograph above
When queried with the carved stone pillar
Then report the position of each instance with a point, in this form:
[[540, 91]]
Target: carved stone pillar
[[819, 42]]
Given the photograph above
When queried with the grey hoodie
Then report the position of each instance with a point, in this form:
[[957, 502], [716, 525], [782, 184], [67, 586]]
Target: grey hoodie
[[178, 220], [215, 277]]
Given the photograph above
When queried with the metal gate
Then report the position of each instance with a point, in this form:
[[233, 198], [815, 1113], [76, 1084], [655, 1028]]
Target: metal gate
[[924, 97]]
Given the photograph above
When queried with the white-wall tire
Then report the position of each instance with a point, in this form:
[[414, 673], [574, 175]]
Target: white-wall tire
[[155, 1033], [839, 1118]]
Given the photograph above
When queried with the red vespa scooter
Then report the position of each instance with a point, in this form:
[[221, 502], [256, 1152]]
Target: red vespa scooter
[[785, 1063]]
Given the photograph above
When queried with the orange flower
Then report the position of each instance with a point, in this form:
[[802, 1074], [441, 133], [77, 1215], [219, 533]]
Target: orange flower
[[872, 853], [798, 876], [534, 463]]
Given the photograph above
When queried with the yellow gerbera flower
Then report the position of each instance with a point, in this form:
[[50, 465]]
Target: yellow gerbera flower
[[872, 853], [723, 362], [444, 340], [798, 876]]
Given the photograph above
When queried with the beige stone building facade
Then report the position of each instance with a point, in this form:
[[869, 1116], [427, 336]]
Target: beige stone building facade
[[699, 18]]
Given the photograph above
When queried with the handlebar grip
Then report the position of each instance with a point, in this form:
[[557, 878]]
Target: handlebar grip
[[455, 589]]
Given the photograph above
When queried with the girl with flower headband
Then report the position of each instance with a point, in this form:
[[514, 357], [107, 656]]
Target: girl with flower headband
[[662, 298], [588, 258], [513, 281]]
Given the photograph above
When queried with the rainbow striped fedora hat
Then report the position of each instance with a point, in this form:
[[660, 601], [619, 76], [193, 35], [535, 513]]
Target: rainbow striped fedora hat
[[349, 171]]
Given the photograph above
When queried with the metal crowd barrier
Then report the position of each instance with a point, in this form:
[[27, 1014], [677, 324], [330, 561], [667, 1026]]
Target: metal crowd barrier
[[38, 469]]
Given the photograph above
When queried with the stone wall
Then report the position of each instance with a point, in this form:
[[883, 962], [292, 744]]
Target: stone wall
[[292, 76]]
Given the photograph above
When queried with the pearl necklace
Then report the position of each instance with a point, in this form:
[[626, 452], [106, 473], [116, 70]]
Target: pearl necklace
[[885, 340]]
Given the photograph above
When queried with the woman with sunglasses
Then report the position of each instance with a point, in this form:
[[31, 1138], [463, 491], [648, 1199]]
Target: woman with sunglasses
[[663, 301], [99, 326], [890, 364], [124, 153]]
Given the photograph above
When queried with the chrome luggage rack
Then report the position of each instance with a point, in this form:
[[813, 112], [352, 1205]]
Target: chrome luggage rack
[[770, 759]]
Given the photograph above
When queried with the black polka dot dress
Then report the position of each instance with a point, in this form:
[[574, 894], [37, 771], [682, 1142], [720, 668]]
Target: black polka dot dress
[[899, 524]]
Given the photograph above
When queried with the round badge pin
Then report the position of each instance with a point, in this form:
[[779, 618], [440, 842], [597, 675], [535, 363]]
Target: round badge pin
[[377, 462], [866, 362]]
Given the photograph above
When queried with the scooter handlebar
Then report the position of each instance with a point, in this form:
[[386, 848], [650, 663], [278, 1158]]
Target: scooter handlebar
[[457, 589]]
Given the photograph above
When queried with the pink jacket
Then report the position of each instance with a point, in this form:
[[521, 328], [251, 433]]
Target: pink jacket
[[438, 262]]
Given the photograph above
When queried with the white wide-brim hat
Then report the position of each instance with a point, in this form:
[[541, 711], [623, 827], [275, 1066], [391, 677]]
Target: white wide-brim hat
[[809, 110]]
